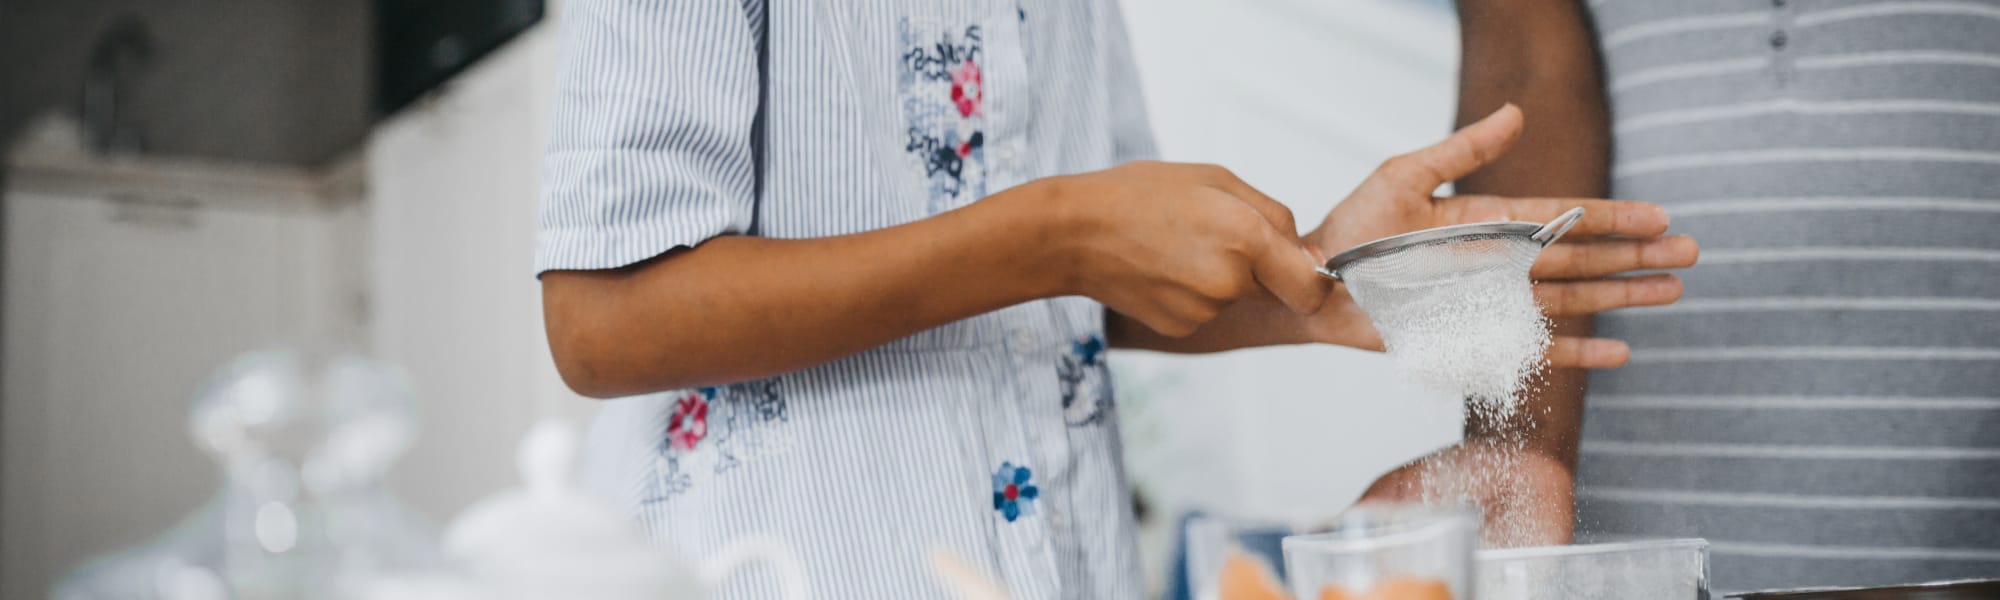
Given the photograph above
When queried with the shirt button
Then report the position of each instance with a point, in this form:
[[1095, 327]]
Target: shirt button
[[1778, 39], [1778, 3]]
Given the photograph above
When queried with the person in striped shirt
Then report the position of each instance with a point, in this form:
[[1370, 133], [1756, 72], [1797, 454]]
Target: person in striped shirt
[[1824, 405], [852, 269]]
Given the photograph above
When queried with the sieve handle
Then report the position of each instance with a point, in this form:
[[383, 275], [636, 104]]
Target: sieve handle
[[1556, 228], [1328, 273]]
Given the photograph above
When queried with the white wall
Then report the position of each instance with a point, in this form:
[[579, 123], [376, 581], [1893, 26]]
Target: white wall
[[453, 187], [1302, 98]]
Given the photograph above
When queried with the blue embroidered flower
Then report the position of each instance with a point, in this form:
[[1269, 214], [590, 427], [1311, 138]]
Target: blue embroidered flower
[[1087, 349], [1086, 381], [1013, 494]]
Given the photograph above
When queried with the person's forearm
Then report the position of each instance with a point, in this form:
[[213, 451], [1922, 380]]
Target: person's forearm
[[1540, 56], [1249, 323], [740, 307]]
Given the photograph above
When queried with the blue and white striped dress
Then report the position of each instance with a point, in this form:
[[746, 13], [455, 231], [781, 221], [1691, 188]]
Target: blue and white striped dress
[[679, 121]]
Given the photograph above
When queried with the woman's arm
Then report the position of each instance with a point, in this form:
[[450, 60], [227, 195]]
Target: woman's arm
[[1169, 244]]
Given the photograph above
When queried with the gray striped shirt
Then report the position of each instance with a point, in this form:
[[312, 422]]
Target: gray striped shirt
[[679, 121], [1824, 405]]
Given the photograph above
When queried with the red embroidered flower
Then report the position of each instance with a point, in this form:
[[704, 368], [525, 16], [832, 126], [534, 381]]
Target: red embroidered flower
[[689, 422], [966, 88]]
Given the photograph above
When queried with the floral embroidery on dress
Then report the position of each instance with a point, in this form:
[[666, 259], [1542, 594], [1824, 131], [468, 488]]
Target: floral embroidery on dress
[[689, 422], [1014, 492], [1085, 379], [966, 92], [714, 429], [944, 97]]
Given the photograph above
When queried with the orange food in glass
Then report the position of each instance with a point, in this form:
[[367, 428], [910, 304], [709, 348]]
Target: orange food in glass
[[1393, 588], [1244, 577]]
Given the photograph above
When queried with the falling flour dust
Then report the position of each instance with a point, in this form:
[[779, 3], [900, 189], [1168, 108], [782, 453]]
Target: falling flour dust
[[1462, 318]]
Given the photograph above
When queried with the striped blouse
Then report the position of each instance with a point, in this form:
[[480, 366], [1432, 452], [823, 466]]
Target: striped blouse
[[991, 437], [1824, 404]]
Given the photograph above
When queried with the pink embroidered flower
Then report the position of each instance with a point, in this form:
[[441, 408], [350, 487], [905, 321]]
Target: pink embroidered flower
[[689, 422], [966, 88]]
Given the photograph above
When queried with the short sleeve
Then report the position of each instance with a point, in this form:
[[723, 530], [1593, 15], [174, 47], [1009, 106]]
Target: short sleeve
[[651, 145], [1131, 130]]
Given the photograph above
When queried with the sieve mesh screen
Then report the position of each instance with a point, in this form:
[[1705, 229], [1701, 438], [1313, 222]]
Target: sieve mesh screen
[[1458, 313]]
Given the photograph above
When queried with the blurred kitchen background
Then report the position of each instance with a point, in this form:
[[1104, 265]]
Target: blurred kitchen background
[[188, 179]]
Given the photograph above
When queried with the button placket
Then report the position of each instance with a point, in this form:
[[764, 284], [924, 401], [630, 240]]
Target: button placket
[[1010, 96], [1779, 40]]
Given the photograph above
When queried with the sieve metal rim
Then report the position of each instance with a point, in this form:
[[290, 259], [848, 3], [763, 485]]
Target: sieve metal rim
[[1396, 243], [1545, 233]]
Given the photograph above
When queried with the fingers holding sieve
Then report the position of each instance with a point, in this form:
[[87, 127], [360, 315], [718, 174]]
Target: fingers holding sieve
[[1626, 218], [1599, 258], [1465, 151], [1570, 298], [1569, 352]]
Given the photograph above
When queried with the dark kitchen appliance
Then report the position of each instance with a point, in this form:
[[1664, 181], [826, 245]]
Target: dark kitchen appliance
[[420, 44]]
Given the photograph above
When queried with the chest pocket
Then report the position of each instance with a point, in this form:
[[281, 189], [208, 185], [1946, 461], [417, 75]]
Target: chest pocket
[[940, 82]]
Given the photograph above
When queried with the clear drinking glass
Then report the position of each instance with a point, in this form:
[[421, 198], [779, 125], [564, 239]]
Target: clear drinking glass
[[1387, 553]]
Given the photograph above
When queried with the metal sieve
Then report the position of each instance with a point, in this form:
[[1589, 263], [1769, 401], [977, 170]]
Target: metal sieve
[[1454, 304], [1421, 256]]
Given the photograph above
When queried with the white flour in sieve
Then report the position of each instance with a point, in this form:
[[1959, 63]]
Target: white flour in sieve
[[1458, 317]]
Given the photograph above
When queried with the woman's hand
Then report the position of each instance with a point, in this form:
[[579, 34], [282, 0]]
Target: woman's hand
[[1613, 237], [1172, 245]]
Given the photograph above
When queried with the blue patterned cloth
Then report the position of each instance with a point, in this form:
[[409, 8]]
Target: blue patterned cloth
[[679, 121]]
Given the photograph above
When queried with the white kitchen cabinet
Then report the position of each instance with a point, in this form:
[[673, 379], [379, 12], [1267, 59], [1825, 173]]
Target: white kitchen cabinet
[[125, 285]]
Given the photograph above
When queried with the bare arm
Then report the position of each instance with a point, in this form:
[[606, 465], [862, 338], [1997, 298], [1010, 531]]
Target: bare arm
[[1169, 244], [1539, 55], [739, 307]]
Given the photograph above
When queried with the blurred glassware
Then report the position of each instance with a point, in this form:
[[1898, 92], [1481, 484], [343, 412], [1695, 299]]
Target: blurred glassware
[[1639, 570], [551, 541], [1387, 552], [1209, 540], [304, 439]]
